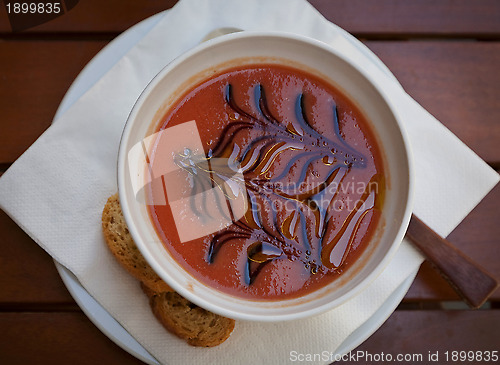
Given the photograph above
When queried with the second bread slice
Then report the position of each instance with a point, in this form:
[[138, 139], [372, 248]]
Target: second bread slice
[[196, 325]]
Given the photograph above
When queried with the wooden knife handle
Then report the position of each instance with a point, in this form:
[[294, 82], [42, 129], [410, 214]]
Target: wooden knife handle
[[466, 277]]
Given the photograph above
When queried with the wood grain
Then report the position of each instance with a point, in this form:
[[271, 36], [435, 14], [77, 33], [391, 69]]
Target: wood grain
[[421, 332], [56, 338], [27, 272], [95, 16], [474, 284], [404, 19], [456, 82], [381, 18], [69, 338], [478, 237], [35, 77]]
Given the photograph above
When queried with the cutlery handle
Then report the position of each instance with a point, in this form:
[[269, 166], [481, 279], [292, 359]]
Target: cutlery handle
[[466, 277]]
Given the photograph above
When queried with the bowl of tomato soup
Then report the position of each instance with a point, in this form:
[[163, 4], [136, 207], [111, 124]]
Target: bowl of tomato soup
[[265, 177]]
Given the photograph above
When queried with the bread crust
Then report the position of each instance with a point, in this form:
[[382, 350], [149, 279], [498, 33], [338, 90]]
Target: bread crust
[[186, 320], [124, 249], [179, 316]]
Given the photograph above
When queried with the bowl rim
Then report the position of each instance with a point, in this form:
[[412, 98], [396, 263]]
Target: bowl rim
[[203, 302]]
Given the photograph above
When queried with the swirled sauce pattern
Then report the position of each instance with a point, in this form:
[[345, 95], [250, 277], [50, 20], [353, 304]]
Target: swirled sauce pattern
[[309, 170]]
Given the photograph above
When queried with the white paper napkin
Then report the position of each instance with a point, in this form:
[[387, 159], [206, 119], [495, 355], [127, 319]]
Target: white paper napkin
[[56, 190]]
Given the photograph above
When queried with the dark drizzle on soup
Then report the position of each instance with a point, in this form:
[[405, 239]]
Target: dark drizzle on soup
[[302, 147]]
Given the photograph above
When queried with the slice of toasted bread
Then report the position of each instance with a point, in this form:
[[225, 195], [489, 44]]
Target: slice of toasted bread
[[196, 325], [123, 247]]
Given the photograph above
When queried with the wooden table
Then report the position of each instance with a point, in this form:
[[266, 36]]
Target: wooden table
[[445, 53]]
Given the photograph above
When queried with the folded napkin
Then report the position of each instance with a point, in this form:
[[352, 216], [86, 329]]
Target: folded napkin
[[56, 190]]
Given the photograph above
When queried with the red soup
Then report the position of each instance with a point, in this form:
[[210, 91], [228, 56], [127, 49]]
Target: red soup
[[301, 161]]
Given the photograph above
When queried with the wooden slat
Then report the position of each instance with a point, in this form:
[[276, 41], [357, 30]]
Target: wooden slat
[[457, 82], [393, 18], [69, 338], [478, 237], [424, 332], [96, 16], [27, 273], [56, 338], [34, 78]]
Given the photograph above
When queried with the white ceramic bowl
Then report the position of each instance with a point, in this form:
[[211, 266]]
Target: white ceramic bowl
[[318, 58]]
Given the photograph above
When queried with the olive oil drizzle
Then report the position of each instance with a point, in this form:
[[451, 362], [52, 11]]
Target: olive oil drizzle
[[274, 235]]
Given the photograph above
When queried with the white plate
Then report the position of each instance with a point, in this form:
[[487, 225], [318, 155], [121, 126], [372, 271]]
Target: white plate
[[94, 70]]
